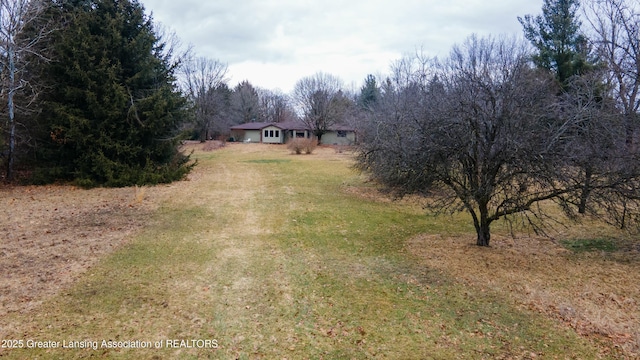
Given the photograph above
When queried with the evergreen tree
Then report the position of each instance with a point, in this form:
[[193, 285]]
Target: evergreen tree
[[369, 93], [555, 34], [113, 111]]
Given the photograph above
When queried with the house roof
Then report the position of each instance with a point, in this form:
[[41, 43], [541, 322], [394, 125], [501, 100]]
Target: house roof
[[287, 125], [293, 125], [251, 126]]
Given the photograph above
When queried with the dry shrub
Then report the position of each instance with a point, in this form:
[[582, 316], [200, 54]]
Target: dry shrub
[[302, 145], [213, 145], [140, 193]]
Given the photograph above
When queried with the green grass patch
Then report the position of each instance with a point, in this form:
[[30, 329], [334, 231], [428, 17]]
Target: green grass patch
[[588, 245], [268, 161]]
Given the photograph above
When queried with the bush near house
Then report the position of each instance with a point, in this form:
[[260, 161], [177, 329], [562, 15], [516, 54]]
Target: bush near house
[[300, 145]]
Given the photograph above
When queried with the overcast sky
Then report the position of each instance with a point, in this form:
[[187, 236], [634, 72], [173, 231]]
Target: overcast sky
[[274, 43]]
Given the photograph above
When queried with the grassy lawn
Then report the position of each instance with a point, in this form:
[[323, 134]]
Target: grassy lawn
[[264, 254]]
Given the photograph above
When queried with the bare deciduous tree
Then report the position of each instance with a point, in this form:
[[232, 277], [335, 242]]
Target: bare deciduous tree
[[275, 106], [319, 99], [16, 46], [615, 35], [616, 27], [593, 136], [486, 133], [477, 133], [596, 153], [171, 50], [202, 79], [246, 103]]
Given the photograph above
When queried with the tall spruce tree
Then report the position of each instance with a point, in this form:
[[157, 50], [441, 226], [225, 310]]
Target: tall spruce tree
[[369, 93], [113, 110], [561, 48]]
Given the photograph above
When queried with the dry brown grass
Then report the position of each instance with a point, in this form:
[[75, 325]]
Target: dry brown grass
[[595, 294], [52, 234], [213, 145], [322, 152]]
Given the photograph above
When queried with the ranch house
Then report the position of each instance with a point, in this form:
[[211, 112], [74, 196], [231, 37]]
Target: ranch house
[[280, 133]]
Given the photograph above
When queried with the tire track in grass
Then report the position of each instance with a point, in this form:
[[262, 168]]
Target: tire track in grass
[[244, 283]]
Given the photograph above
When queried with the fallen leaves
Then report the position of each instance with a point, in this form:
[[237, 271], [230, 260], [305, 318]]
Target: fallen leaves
[[594, 296]]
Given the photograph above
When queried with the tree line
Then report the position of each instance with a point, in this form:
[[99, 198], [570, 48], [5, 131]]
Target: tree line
[[503, 125], [217, 107]]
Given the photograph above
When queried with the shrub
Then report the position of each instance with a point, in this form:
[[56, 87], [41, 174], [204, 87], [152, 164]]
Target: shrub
[[300, 145], [213, 145]]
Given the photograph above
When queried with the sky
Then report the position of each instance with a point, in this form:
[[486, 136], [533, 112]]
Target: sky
[[275, 43]]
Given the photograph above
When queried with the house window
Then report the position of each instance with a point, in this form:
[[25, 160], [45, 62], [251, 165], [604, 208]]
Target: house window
[[266, 133], [342, 133], [277, 133], [300, 134]]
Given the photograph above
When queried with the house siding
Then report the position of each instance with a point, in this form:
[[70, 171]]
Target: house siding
[[252, 136], [272, 135], [279, 133], [332, 138], [292, 134]]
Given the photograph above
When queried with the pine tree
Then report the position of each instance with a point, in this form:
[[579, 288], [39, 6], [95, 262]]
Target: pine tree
[[561, 48], [369, 93], [112, 116]]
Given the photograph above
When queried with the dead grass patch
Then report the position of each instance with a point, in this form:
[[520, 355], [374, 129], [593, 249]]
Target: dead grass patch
[[52, 234], [594, 295], [212, 145], [320, 153]]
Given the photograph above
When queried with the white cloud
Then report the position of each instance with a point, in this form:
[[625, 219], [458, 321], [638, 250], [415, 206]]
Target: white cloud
[[274, 43]]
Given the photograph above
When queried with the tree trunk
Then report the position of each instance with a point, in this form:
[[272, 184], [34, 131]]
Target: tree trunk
[[204, 132], [483, 227], [585, 191], [11, 110], [623, 218], [484, 235]]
